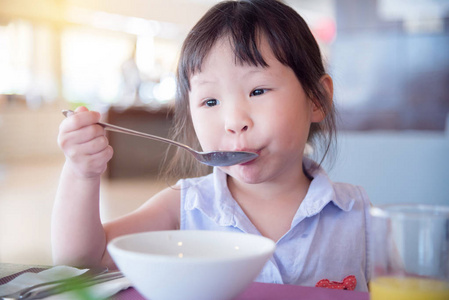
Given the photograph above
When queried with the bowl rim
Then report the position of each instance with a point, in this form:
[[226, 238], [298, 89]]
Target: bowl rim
[[112, 247]]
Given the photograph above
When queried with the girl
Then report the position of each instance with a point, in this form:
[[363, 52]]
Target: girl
[[250, 78]]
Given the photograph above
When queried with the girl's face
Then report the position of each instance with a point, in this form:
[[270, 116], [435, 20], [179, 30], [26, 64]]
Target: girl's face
[[237, 107]]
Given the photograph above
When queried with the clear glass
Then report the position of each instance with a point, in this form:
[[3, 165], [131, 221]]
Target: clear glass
[[409, 252]]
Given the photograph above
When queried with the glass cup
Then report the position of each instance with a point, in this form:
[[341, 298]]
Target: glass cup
[[409, 252]]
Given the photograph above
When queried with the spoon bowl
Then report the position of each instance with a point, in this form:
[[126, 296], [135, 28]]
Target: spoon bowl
[[213, 158]]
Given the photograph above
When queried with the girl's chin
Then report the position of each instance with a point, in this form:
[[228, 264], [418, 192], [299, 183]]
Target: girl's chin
[[245, 174]]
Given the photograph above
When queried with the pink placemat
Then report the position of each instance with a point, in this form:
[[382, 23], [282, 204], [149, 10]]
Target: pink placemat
[[269, 291], [128, 294]]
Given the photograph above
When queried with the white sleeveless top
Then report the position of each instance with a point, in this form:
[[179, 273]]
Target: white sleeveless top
[[328, 235]]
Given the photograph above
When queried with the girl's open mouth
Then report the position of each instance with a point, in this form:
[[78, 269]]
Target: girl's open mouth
[[253, 160]]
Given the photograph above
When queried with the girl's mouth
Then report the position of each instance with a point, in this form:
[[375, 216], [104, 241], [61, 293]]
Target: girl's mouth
[[250, 150]]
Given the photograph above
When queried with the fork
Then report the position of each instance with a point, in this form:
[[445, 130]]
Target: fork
[[86, 275], [77, 285]]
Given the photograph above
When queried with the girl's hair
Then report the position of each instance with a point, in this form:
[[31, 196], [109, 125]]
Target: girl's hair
[[244, 22]]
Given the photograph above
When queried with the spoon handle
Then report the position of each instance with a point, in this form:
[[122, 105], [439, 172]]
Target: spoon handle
[[116, 128]]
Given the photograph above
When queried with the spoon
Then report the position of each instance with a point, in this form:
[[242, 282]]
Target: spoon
[[86, 275], [213, 158]]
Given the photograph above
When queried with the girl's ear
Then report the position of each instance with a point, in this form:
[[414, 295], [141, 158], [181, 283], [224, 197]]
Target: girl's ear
[[318, 113]]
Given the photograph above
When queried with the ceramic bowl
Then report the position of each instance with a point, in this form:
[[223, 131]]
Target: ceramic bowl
[[190, 265]]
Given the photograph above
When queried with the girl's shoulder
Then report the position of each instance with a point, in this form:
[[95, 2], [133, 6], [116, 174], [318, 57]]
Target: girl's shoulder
[[350, 191], [324, 189], [350, 197], [204, 184], [195, 181]]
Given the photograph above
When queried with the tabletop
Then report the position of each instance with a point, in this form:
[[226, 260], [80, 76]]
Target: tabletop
[[256, 290], [271, 291]]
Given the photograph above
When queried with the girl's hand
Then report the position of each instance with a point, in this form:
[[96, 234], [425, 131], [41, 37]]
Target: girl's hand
[[84, 143]]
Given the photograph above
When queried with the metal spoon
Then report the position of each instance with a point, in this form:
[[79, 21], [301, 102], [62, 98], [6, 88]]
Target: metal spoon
[[79, 283], [86, 275], [213, 158]]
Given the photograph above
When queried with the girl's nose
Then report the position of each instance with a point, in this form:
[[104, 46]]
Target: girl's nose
[[235, 129], [238, 122]]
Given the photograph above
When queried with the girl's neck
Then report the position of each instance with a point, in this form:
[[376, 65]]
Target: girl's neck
[[271, 206]]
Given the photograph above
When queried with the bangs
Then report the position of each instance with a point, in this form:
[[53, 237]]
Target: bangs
[[243, 26]]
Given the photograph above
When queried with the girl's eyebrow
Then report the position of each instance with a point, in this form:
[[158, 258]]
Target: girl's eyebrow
[[261, 72], [254, 71], [201, 81]]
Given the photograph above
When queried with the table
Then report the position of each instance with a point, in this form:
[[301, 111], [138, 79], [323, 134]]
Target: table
[[256, 291], [271, 291]]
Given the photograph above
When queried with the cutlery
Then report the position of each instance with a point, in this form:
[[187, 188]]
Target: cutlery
[[213, 158], [71, 286], [86, 275]]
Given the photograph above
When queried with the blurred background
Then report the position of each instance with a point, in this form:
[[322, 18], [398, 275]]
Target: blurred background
[[389, 60]]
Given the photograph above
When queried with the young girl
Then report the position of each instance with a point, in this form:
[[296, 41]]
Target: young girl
[[250, 78]]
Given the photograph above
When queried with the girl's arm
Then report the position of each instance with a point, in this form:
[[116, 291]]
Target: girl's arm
[[161, 212], [78, 237], [77, 234]]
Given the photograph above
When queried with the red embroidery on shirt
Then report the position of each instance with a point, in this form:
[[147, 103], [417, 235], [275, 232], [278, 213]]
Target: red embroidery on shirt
[[348, 283]]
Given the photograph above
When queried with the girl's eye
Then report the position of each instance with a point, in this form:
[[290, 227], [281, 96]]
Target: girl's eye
[[211, 102], [258, 92]]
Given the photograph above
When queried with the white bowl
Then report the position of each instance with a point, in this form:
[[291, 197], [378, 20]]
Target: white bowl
[[190, 265]]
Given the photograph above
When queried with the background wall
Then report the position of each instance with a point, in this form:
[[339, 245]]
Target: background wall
[[391, 65], [406, 167]]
